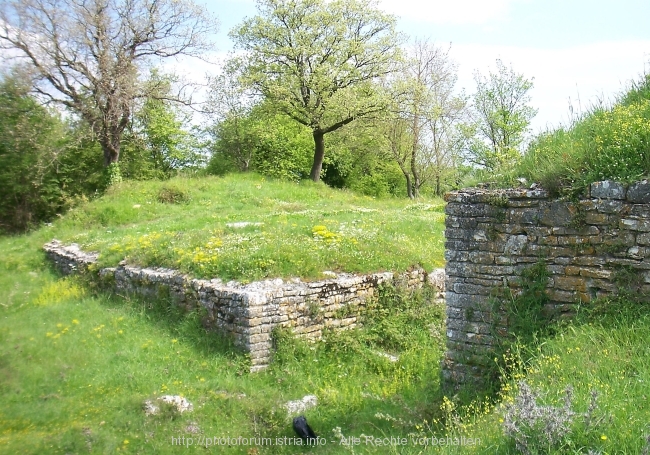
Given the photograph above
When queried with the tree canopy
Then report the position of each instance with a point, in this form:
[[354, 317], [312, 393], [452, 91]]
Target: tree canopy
[[317, 61], [422, 125], [503, 116], [88, 54]]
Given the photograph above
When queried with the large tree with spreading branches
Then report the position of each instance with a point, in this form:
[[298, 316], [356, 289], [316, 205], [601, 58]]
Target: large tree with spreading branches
[[89, 55], [317, 61]]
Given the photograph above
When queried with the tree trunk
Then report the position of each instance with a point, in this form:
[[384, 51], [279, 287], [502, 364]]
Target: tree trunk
[[409, 185], [319, 154], [111, 148]]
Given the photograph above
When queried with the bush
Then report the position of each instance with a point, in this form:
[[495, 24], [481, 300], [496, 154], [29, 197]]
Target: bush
[[30, 142], [172, 195]]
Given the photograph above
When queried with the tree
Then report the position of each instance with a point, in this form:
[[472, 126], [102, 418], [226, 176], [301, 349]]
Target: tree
[[87, 54], [262, 140], [317, 60], [157, 142], [237, 115], [422, 128], [31, 139], [502, 116]]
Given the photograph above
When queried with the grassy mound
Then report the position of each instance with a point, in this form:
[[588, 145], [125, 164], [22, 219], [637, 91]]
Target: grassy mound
[[605, 144], [247, 228]]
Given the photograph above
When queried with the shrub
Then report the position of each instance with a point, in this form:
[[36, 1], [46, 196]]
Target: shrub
[[541, 429], [606, 143], [172, 195]]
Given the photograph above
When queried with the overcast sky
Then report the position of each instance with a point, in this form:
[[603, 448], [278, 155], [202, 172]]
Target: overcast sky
[[574, 49]]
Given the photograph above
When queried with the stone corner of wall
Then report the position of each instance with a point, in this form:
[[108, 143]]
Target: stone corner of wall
[[582, 243]]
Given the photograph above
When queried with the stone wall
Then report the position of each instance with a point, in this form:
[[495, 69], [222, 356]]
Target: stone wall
[[249, 313], [588, 246]]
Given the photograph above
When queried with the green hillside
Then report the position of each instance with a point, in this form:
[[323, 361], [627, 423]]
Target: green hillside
[[76, 366], [246, 227]]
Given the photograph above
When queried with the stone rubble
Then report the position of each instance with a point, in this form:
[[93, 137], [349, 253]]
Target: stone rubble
[[181, 404], [297, 407]]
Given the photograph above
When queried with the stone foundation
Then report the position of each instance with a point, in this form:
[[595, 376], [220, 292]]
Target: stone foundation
[[249, 313]]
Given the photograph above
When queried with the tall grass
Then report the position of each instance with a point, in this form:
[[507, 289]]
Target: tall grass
[[606, 142]]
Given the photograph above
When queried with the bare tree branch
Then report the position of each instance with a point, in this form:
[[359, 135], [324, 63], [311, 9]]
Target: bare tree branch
[[89, 54]]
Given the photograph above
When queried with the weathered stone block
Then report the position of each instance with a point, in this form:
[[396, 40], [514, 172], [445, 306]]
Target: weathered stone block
[[562, 296], [523, 216], [635, 224], [570, 283], [643, 238], [557, 213], [610, 206], [607, 189], [473, 289], [515, 244], [639, 193], [594, 218], [480, 257]]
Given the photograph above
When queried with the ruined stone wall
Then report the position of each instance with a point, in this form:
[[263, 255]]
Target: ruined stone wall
[[492, 235], [249, 313]]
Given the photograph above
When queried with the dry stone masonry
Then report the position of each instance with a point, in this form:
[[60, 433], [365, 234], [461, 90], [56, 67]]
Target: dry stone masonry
[[591, 248], [249, 313]]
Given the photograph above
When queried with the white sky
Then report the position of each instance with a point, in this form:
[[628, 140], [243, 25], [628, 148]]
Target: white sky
[[574, 49]]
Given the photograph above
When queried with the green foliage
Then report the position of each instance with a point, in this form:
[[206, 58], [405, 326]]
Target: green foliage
[[358, 160], [638, 91], [316, 61], [422, 127], [605, 143], [399, 317], [172, 195], [113, 174], [263, 141], [31, 140], [159, 142], [503, 117], [526, 323]]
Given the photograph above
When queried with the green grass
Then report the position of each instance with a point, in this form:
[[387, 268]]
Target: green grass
[[297, 229], [609, 356], [605, 143], [75, 369]]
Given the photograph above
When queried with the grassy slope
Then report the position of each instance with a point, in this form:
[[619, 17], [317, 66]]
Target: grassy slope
[[75, 368], [610, 358], [304, 229]]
